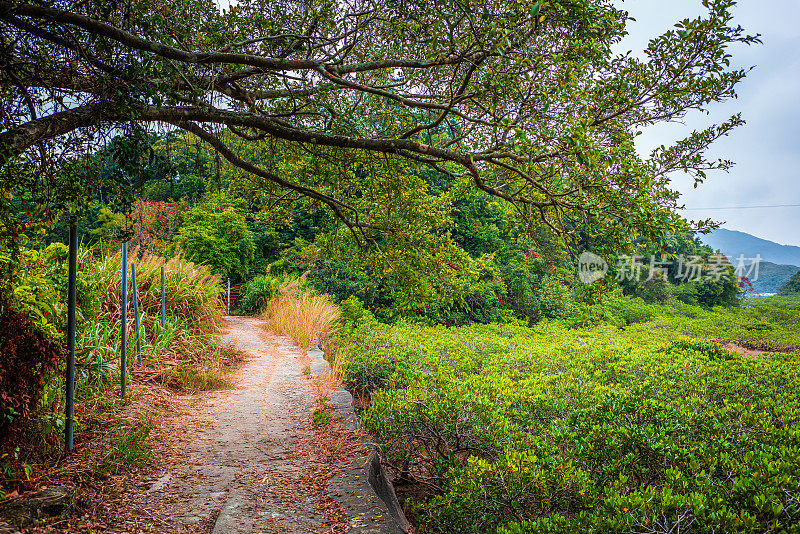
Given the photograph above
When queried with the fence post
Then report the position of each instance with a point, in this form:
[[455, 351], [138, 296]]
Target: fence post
[[136, 314], [229, 296], [123, 361], [163, 299], [71, 302]]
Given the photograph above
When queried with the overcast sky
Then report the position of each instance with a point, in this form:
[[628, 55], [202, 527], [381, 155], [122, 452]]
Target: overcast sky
[[767, 149]]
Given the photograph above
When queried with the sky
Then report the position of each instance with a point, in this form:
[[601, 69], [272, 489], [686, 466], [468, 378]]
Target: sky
[[767, 149]]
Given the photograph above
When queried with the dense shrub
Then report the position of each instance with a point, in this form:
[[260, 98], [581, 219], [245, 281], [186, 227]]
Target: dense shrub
[[27, 358], [708, 289], [633, 310], [654, 290], [551, 429], [712, 293], [217, 237], [257, 292], [534, 289], [182, 353], [353, 312]]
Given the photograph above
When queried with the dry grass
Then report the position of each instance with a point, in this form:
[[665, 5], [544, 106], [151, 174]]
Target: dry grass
[[307, 319]]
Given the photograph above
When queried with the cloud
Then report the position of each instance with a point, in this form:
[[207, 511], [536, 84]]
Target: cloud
[[767, 149]]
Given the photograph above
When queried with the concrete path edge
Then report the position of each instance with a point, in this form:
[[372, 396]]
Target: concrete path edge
[[373, 477]]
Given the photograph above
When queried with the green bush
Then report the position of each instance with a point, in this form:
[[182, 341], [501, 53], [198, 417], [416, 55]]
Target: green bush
[[552, 429], [353, 312], [686, 293], [217, 237], [712, 293], [534, 289], [257, 292], [654, 290], [27, 360], [633, 310]]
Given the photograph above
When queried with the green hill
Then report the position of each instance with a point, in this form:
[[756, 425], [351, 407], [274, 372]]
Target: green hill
[[771, 276], [792, 287]]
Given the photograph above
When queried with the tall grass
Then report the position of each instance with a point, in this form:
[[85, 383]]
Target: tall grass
[[307, 318], [182, 353], [192, 291]]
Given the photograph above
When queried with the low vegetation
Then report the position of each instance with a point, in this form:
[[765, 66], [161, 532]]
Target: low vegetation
[[623, 426], [307, 318]]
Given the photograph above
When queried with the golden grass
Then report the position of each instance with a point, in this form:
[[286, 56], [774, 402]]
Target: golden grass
[[307, 319]]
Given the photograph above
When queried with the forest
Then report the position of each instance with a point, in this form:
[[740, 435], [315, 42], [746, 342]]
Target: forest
[[428, 186]]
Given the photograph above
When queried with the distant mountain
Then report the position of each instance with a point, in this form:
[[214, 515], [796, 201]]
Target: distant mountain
[[772, 276], [778, 262], [733, 243]]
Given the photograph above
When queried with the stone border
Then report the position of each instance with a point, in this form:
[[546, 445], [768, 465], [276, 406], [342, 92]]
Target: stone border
[[363, 488]]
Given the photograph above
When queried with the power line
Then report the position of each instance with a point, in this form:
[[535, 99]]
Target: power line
[[743, 207]]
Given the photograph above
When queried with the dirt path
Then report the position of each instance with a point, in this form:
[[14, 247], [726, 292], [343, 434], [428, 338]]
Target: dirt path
[[245, 459]]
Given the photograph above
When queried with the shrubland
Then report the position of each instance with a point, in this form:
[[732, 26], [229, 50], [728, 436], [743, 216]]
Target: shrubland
[[644, 425]]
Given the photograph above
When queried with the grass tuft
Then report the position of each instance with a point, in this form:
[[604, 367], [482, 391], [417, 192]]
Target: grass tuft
[[307, 319], [129, 447]]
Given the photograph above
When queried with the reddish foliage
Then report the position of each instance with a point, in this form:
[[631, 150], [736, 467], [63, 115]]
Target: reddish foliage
[[154, 224], [745, 285], [26, 357]]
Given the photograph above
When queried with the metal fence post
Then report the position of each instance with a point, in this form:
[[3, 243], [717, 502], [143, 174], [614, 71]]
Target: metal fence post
[[163, 299], [229, 296], [71, 303], [123, 362], [136, 314]]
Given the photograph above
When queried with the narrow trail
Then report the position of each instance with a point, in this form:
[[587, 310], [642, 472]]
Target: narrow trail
[[251, 441], [237, 460]]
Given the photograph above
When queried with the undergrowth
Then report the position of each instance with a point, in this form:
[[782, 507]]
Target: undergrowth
[[307, 318], [182, 353], [639, 428], [127, 447]]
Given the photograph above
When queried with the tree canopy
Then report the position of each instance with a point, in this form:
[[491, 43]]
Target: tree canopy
[[526, 101]]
